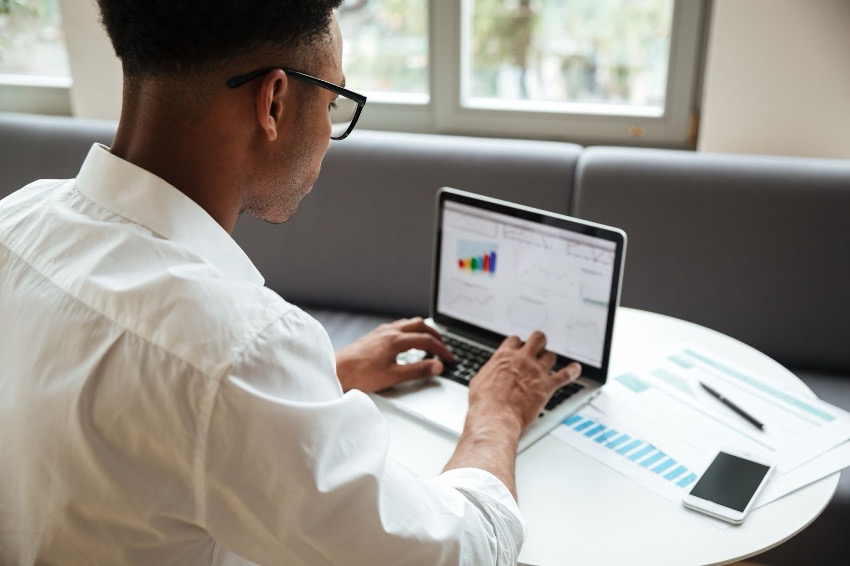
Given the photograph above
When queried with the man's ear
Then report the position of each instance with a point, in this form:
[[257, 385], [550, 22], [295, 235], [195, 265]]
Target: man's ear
[[272, 102]]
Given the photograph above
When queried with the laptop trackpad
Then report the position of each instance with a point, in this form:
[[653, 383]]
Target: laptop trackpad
[[439, 401]]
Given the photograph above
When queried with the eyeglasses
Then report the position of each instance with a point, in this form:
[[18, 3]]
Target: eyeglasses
[[345, 110]]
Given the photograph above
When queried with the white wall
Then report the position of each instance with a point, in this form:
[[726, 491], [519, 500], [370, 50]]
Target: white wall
[[778, 78], [96, 91]]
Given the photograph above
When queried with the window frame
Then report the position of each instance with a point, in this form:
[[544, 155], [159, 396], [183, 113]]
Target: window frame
[[445, 114], [35, 94], [441, 111]]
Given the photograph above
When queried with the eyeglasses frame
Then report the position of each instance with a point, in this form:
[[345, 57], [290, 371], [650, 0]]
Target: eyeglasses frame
[[240, 80]]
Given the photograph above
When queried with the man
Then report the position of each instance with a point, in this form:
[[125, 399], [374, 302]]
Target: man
[[158, 405]]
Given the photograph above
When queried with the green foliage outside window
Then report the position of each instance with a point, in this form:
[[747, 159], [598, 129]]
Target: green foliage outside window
[[31, 39], [575, 50], [386, 44]]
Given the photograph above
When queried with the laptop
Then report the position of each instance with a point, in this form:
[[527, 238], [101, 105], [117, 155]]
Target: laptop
[[505, 269]]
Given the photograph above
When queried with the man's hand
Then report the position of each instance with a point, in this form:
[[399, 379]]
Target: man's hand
[[506, 396], [518, 379], [369, 363]]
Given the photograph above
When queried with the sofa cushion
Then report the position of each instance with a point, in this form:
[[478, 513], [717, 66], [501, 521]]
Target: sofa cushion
[[754, 247], [362, 239]]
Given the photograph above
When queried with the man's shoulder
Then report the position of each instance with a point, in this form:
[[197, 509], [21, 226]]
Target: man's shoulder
[[164, 292], [22, 199], [186, 306]]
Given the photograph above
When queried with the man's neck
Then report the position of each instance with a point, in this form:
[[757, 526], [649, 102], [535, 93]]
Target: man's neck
[[193, 152]]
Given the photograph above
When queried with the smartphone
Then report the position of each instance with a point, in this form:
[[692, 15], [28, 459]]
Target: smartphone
[[729, 486]]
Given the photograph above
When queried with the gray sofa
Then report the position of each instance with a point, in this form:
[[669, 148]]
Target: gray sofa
[[755, 247]]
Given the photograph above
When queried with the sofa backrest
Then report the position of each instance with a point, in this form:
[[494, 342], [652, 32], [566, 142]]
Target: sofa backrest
[[46, 147], [363, 237], [755, 247]]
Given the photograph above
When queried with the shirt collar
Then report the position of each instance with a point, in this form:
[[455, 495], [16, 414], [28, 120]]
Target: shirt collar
[[147, 200]]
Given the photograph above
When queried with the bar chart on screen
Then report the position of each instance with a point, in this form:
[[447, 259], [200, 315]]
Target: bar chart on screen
[[477, 257]]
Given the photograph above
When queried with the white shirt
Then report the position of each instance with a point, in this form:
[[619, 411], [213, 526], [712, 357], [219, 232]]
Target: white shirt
[[159, 405]]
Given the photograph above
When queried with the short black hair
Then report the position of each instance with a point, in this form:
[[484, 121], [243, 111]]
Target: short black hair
[[170, 37]]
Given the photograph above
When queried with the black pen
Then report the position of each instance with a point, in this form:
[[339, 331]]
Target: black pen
[[733, 406]]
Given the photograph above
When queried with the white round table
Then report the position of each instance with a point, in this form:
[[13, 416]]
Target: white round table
[[580, 511]]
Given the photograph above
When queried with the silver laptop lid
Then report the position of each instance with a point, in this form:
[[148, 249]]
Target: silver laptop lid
[[505, 269]]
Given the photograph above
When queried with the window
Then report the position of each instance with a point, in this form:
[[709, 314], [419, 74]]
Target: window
[[34, 71], [386, 48], [580, 56], [31, 40], [609, 71], [588, 71]]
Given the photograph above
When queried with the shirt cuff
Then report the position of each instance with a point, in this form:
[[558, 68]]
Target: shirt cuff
[[492, 498]]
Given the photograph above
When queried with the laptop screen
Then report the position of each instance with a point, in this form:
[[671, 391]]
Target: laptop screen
[[502, 269]]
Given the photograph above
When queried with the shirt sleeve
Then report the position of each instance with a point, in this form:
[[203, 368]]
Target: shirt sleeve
[[297, 472]]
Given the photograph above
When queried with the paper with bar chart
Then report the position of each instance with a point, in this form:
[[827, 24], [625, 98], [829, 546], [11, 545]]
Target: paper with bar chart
[[658, 426], [513, 276]]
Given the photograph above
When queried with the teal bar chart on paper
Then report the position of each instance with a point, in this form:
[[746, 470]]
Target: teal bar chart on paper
[[618, 444], [655, 423]]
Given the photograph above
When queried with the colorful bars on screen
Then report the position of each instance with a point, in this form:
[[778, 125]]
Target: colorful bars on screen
[[485, 263]]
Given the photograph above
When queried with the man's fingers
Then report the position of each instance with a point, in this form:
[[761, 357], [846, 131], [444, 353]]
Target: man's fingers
[[419, 370], [567, 374], [512, 342], [415, 324], [426, 342], [547, 359], [535, 343]]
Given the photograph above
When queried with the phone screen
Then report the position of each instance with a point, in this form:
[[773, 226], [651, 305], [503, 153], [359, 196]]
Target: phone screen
[[730, 481]]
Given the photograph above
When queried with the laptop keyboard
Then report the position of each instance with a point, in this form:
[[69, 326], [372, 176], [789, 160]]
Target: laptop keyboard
[[470, 358]]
